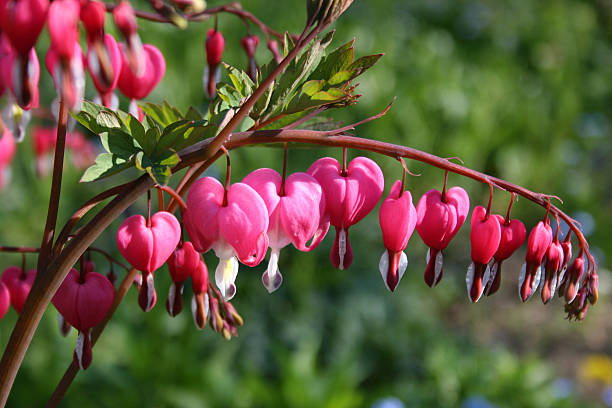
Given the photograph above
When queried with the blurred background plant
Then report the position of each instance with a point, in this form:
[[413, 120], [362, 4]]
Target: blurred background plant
[[516, 88]]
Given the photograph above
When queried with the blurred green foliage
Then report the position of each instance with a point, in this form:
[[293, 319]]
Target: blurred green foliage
[[519, 89]]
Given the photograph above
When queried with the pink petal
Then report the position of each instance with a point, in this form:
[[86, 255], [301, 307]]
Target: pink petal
[[435, 219], [166, 236], [365, 184], [397, 218], [135, 242], [327, 172], [94, 300], [485, 237], [139, 87], [204, 200]]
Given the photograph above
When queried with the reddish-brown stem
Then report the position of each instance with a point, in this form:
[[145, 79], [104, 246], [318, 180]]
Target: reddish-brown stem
[[172, 194], [109, 258], [73, 368], [148, 208], [17, 249], [160, 199], [46, 245], [507, 221], [443, 195], [228, 175], [490, 201], [343, 170], [282, 186]]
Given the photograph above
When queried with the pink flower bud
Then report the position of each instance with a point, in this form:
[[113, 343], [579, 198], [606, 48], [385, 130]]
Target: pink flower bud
[[539, 240], [147, 247], [62, 25], [105, 79], [22, 21], [397, 218], [273, 47], [182, 264], [485, 238], [513, 234], [21, 74], [574, 275], [19, 283], [8, 146], [438, 221], [139, 86], [249, 44], [349, 195], [215, 43], [125, 19], [199, 302]]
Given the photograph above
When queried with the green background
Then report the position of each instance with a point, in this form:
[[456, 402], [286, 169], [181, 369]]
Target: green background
[[519, 89]]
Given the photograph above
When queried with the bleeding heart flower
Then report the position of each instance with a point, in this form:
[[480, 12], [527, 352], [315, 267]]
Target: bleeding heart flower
[[397, 218], [249, 44], [68, 75], [62, 23], [21, 74], [140, 86], [125, 19], [513, 234], [182, 264], [566, 245], [84, 300], [539, 240], [574, 275], [104, 62], [19, 283], [215, 43], [485, 238], [349, 195], [439, 218], [233, 223], [297, 215], [22, 21], [146, 246], [199, 301], [552, 268], [92, 15], [5, 299]]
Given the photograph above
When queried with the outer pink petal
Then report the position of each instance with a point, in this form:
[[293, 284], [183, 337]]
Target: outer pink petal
[[135, 242], [512, 237], [459, 199], [65, 299], [94, 300], [115, 56], [266, 182], [364, 187], [139, 87], [166, 235], [397, 218], [300, 211], [204, 200], [327, 172], [183, 262], [5, 299], [485, 236], [243, 222], [434, 219], [539, 240]]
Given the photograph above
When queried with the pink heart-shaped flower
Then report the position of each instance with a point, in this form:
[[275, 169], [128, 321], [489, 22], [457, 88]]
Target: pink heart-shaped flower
[[19, 285], [140, 86], [104, 83], [21, 74], [22, 21], [62, 23]]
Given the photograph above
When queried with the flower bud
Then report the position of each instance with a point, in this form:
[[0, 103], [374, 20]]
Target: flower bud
[[485, 238], [249, 44], [273, 47], [513, 234], [574, 275], [92, 15], [539, 240], [552, 268]]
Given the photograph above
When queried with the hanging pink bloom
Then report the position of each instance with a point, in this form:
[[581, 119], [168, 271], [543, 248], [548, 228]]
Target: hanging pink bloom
[[84, 300], [21, 75], [93, 14], [439, 218], [68, 75], [5, 299], [147, 246], [19, 283], [397, 221], [8, 146], [233, 223], [140, 86], [199, 302], [249, 44], [104, 62], [125, 19], [182, 264], [552, 268], [539, 240], [297, 215], [513, 234], [215, 43], [349, 196], [22, 21], [575, 273], [485, 238]]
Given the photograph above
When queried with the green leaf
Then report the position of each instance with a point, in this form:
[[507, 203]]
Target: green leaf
[[193, 114], [171, 134], [108, 119], [137, 130], [241, 81], [119, 143], [150, 140], [312, 87], [159, 174], [340, 77], [338, 60], [106, 165], [360, 65]]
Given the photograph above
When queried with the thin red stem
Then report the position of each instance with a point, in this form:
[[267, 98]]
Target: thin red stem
[[160, 199], [443, 195], [148, 208], [282, 186], [228, 175], [18, 249], [507, 220], [343, 172], [490, 201], [172, 194]]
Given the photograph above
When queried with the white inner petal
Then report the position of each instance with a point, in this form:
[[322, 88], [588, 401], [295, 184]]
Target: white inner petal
[[469, 278], [521, 279], [150, 291], [341, 248], [133, 108], [225, 276], [78, 348], [272, 278], [383, 267], [438, 269], [171, 298]]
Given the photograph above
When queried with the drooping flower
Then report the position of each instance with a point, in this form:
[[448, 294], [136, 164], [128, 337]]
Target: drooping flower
[[147, 246], [21, 74], [84, 299], [182, 264], [349, 196], [439, 218], [125, 20], [574, 274], [199, 301], [273, 47], [249, 44], [104, 63], [485, 238], [552, 268], [215, 43], [513, 234], [19, 283], [539, 240], [397, 218], [297, 215], [22, 21], [140, 86], [233, 223]]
